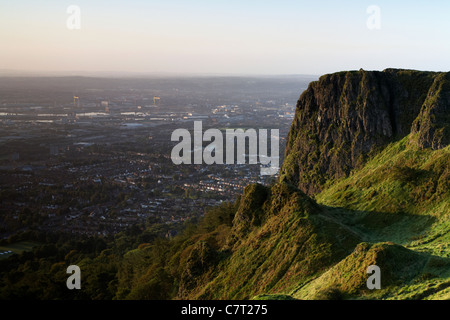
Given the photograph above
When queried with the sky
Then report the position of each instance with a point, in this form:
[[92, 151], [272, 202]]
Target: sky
[[224, 36]]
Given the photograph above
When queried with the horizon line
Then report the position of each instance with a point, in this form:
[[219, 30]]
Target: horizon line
[[140, 74]]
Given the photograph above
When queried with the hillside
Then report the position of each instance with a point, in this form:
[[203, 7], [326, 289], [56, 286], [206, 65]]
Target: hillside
[[372, 149], [384, 214], [400, 201], [365, 181]]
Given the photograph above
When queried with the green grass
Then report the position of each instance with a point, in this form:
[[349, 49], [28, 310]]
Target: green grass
[[402, 196], [17, 247], [273, 297], [399, 174], [404, 274], [393, 212], [277, 243]]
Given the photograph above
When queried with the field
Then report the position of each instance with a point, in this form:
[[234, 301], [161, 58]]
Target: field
[[17, 247]]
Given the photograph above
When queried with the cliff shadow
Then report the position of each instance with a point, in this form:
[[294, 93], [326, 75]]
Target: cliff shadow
[[376, 226]]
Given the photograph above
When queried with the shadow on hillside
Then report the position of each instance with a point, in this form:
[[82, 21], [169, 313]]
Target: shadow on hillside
[[383, 226]]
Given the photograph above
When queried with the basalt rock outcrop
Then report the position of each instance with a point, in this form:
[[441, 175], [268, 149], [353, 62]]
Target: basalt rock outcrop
[[345, 118]]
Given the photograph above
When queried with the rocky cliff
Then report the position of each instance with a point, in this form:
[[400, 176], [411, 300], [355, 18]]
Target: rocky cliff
[[345, 118]]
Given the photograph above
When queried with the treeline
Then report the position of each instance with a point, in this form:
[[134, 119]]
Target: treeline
[[139, 263]]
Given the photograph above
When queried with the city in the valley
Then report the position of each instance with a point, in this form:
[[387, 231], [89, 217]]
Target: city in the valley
[[91, 156]]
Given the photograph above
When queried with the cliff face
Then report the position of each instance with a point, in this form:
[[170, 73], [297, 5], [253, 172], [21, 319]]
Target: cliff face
[[431, 128], [345, 118]]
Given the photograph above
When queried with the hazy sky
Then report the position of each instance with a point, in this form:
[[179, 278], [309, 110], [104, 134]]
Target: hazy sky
[[218, 36]]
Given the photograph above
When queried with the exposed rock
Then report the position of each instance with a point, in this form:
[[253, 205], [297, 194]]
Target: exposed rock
[[431, 129], [345, 118]]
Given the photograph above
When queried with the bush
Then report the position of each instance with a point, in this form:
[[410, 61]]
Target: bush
[[330, 293]]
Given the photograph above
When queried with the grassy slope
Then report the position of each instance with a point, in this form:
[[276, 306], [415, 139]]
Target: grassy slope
[[394, 213], [18, 248], [295, 242], [279, 244], [401, 196]]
